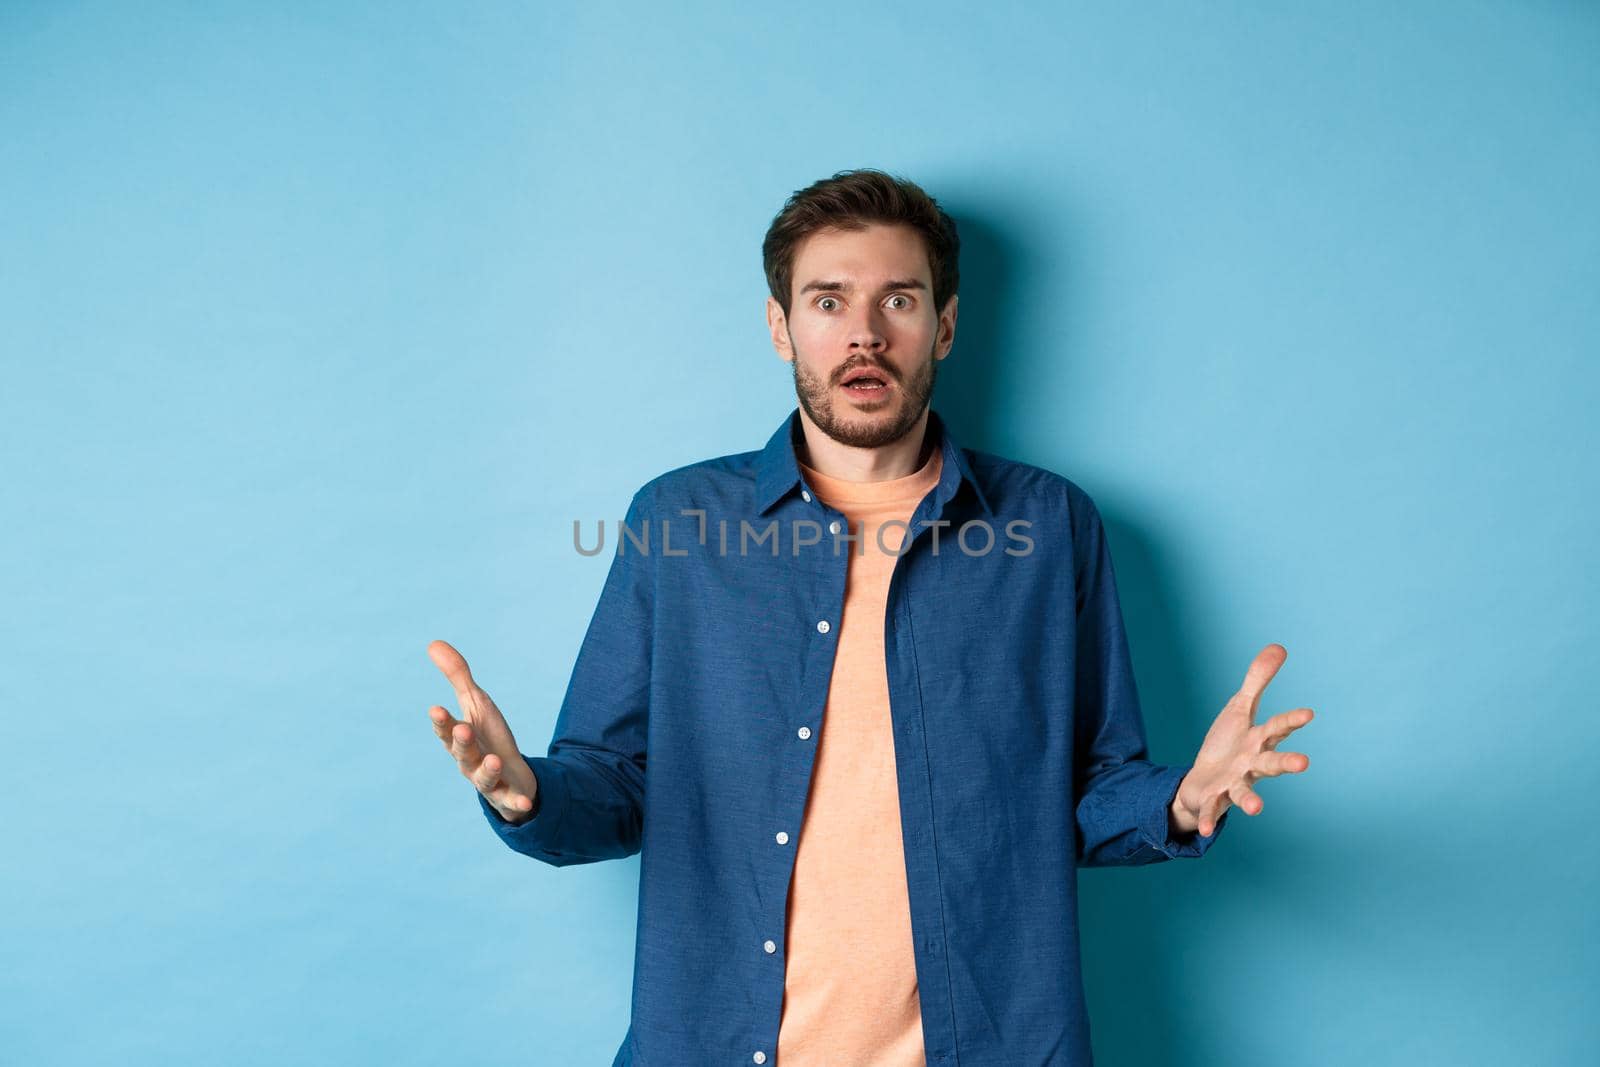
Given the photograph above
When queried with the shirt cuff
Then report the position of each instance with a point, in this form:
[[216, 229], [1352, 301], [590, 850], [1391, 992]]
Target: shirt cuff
[[1157, 829]]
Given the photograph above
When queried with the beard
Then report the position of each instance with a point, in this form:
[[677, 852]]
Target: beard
[[866, 430]]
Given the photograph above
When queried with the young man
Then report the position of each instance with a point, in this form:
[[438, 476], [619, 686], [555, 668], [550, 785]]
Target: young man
[[863, 765]]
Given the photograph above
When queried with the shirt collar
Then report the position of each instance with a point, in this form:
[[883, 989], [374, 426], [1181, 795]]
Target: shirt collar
[[778, 468]]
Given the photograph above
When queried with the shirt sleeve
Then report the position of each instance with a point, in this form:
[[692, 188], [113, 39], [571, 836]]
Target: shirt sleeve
[[590, 799], [1122, 797]]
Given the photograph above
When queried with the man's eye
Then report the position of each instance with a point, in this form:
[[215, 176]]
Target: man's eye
[[902, 296], [824, 301]]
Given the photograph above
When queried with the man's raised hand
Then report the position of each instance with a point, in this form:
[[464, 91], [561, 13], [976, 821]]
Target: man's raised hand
[[481, 742], [1238, 751]]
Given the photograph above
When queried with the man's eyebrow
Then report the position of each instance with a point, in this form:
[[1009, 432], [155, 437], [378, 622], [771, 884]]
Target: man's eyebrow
[[841, 287]]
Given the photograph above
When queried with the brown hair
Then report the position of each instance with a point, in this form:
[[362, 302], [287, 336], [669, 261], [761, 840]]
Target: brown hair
[[851, 200]]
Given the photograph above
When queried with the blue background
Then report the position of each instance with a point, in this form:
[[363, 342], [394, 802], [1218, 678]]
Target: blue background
[[322, 323]]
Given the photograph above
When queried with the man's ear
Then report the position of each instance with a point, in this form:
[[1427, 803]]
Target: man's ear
[[778, 324], [947, 328]]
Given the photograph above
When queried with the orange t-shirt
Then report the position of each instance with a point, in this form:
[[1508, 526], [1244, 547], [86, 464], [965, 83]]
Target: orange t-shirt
[[850, 981]]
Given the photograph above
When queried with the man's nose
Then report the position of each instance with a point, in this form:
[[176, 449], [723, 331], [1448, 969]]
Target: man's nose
[[866, 331]]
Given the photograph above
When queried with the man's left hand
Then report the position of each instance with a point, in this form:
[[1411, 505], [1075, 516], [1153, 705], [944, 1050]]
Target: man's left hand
[[1237, 752]]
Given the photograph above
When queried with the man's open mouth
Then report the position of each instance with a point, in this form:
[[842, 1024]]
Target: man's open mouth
[[866, 384]]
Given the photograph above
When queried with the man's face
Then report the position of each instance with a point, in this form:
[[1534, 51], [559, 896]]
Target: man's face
[[863, 304]]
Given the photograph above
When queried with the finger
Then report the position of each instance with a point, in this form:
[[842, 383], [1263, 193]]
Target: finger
[[443, 723], [1272, 764], [1285, 723], [1261, 671], [476, 705], [487, 774], [1210, 813], [1246, 799], [453, 665], [508, 799], [464, 747]]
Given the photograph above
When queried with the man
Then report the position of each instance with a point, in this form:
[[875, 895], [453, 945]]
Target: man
[[864, 766]]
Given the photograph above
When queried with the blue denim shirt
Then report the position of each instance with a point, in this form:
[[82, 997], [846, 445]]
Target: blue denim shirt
[[692, 718]]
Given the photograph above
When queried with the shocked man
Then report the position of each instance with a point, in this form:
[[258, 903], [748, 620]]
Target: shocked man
[[863, 699]]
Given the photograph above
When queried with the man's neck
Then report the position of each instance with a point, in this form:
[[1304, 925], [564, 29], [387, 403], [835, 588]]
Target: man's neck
[[897, 459]]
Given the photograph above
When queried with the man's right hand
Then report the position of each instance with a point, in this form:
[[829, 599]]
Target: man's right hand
[[481, 742]]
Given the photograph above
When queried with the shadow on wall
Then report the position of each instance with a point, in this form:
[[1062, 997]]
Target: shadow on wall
[[1133, 921], [970, 378]]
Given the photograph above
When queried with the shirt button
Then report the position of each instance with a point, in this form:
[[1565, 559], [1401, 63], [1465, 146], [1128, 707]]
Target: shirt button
[[759, 1057], [804, 732], [833, 527], [822, 626], [783, 837], [770, 946], [807, 498]]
